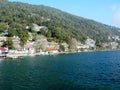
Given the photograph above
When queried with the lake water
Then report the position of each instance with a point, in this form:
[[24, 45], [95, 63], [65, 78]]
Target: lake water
[[81, 71]]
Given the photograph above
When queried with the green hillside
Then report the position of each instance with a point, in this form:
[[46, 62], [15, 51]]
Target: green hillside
[[15, 16]]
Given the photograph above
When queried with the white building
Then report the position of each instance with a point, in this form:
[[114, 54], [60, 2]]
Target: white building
[[90, 42], [3, 39], [114, 45], [37, 27]]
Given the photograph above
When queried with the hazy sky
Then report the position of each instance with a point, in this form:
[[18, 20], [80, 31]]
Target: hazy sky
[[105, 11]]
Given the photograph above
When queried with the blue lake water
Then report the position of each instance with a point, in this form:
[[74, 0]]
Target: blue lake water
[[80, 71]]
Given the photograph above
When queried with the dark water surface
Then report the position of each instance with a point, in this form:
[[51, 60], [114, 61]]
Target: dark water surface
[[81, 71]]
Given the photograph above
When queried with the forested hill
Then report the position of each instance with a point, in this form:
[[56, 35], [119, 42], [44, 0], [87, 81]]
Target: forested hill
[[61, 25]]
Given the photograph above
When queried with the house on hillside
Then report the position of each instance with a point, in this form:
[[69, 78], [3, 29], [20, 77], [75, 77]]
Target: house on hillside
[[115, 38], [82, 47], [90, 42], [37, 28], [30, 47], [52, 51], [114, 45], [89, 45], [3, 50], [53, 45], [110, 45], [2, 39]]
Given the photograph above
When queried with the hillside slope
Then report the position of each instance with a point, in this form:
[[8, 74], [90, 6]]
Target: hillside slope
[[61, 25]]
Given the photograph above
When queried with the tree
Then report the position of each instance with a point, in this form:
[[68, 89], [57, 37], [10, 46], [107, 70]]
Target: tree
[[72, 44], [48, 34], [12, 32], [3, 27], [34, 37], [62, 48], [98, 44], [8, 43], [41, 45], [24, 36], [59, 34], [61, 25]]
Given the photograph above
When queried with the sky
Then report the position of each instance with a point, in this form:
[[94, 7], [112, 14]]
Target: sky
[[104, 11]]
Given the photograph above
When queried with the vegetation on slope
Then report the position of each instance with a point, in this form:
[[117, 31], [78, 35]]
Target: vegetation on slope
[[15, 16]]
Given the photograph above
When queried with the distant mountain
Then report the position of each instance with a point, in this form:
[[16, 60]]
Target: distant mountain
[[61, 25]]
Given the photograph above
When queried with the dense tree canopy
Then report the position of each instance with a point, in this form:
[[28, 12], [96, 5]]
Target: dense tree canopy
[[72, 44], [3, 27], [15, 16], [8, 43]]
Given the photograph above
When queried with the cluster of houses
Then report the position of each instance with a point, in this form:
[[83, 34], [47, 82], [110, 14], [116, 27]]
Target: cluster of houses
[[113, 43], [89, 45], [42, 47]]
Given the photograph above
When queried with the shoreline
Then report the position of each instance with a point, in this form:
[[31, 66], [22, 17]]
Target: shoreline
[[92, 51], [19, 56]]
